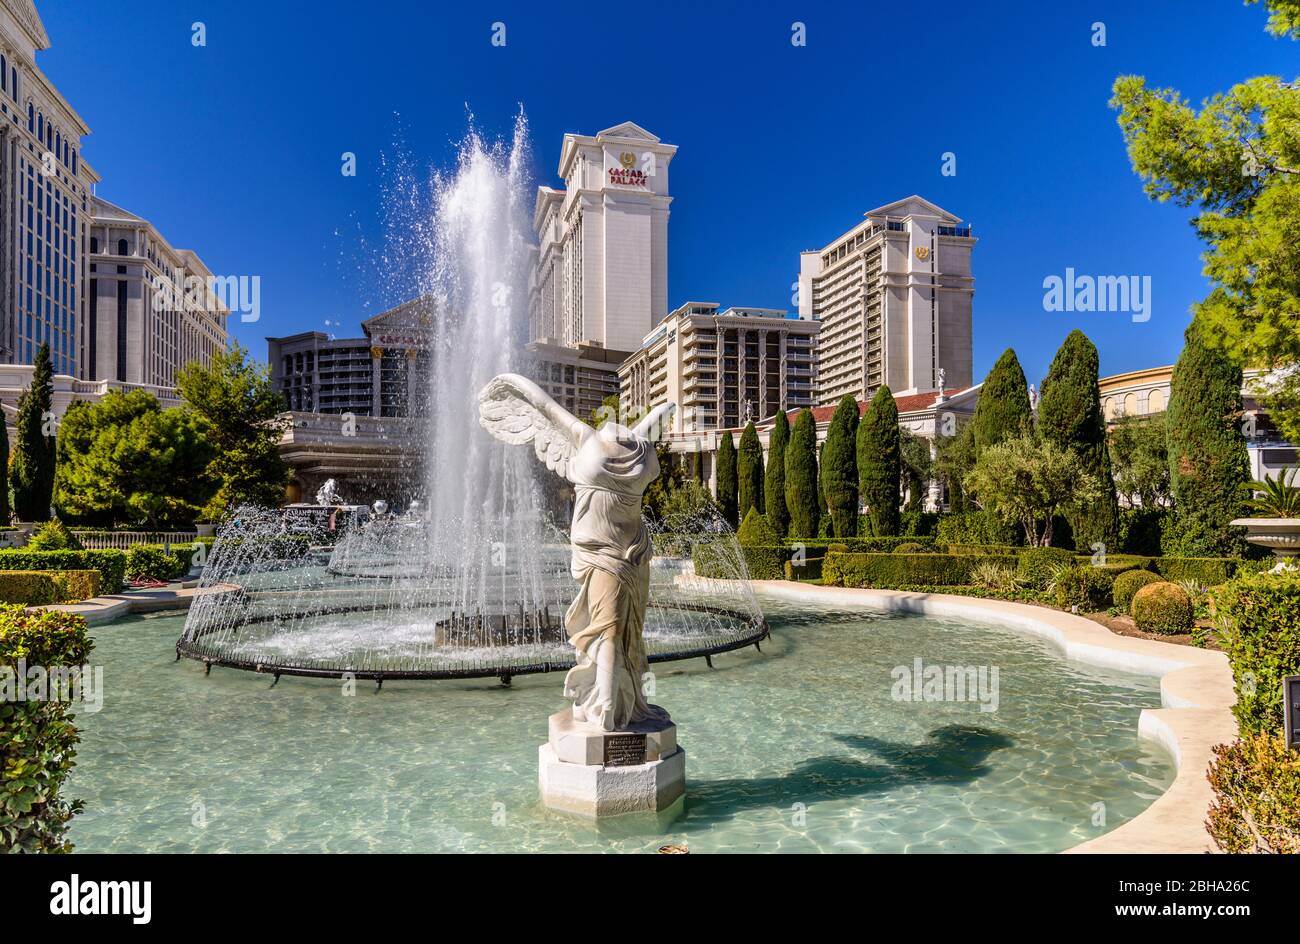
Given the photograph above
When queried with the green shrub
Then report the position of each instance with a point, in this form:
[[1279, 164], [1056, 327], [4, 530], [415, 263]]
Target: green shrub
[[981, 550], [1163, 608], [909, 547], [1141, 529], [1084, 586], [1259, 627], [1037, 565], [1256, 783], [810, 568], [755, 530], [895, 570], [111, 564], [719, 560], [867, 544], [765, 563], [1206, 571], [37, 736], [1129, 583], [42, 587], [911, 524], [153, 562], [994, 572], [976, 527], [53, 536]]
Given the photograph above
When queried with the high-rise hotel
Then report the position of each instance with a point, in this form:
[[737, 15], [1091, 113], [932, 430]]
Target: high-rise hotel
[[77, 273], [893, 296], [44, 203]]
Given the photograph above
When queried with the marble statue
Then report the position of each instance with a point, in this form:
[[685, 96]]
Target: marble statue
[[610, 469]]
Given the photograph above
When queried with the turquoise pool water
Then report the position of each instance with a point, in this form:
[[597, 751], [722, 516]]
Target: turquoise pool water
[[802, 748]]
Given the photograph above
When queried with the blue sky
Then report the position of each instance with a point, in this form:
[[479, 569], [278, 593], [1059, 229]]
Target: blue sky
[[234, 149]]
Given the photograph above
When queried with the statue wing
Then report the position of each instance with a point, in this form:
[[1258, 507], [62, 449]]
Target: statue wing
[[656, 422], [515, 410]]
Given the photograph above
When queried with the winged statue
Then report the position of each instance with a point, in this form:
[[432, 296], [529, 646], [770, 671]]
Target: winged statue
[[610, 469]]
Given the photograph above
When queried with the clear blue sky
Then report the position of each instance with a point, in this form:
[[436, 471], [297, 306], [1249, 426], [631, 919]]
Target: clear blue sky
[[233, 150]]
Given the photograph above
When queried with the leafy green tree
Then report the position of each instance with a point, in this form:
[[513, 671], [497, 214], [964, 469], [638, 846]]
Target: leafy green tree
[[672, 476], [1002, 411], [918, 467], [5, 512], [749, 470], [32, 469], [727, 482], [954, 458], [125, 460], [774, 483], [241, 411], [1030, 481], [801, 492], [1237, 160], [839, 468], [880, 463], [1208, 465], [1069, 415], [1140, 460]]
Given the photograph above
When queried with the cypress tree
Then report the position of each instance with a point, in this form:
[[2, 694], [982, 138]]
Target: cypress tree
[[749, 465], [1003, 408], [32, 472], [1208, 463], [839, 468], [727, 484], [1069, 415], [880, 463], [774, 483], [801, 477], [824, 525]]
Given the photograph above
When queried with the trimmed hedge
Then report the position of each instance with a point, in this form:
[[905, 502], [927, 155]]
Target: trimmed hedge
[[1129, 583], [41, 587], [1260, 619], [976, 527], [1037, 565], [111, 564], [154, 561], [913, 524], [1256, 783], [717, 560], [1088, 588], [890, 571], [809, 569], [909, 547], [869, 545], [1206, 571], [37, 736], [1163, 608]]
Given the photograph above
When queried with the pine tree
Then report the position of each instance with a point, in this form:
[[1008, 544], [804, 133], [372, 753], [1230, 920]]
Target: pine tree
[[1003, 408], [774, 484], [1208, 463], [727, 483], [880, 463], [1069, 415], [839, 468], [32, 471], [749, 469], [801, 477]]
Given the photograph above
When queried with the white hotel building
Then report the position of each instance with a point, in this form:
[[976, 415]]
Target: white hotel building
[[893, 295], [722, 368]]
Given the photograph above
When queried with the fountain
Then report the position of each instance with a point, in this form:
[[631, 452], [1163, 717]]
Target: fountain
[[473, 580]]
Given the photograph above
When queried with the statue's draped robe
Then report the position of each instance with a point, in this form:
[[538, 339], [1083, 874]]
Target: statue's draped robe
[[611, 562]]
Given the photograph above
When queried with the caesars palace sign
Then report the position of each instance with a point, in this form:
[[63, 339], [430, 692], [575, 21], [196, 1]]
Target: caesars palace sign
[[627, 175]]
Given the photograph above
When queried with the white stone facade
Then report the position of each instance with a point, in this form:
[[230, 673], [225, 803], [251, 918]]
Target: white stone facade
[[602, 261], [722, 368], [894, 298]]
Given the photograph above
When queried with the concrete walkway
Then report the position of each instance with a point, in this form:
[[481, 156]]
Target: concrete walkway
[[107, 608]]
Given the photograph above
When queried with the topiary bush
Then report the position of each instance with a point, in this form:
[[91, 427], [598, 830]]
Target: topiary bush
[[1038, 565], [1129, 583], [42, 587], [1089, 588], [111, 564], [1206, 571], [38, 738], [909, 547], [53, 536], [757, 530], [152, 562], [1256, 783], [1163, 608], [1259, 629], [895, 570]]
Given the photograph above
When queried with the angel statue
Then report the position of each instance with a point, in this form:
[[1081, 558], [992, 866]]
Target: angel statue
[[610, 469]]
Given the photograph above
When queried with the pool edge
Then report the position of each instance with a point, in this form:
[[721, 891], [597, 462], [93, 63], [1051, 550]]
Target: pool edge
[[1196, 693]]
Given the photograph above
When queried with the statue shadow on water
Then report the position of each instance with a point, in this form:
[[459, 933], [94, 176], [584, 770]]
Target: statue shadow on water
[[951, 755]]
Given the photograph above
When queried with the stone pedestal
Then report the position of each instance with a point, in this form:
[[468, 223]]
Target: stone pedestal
[[594, 773]]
